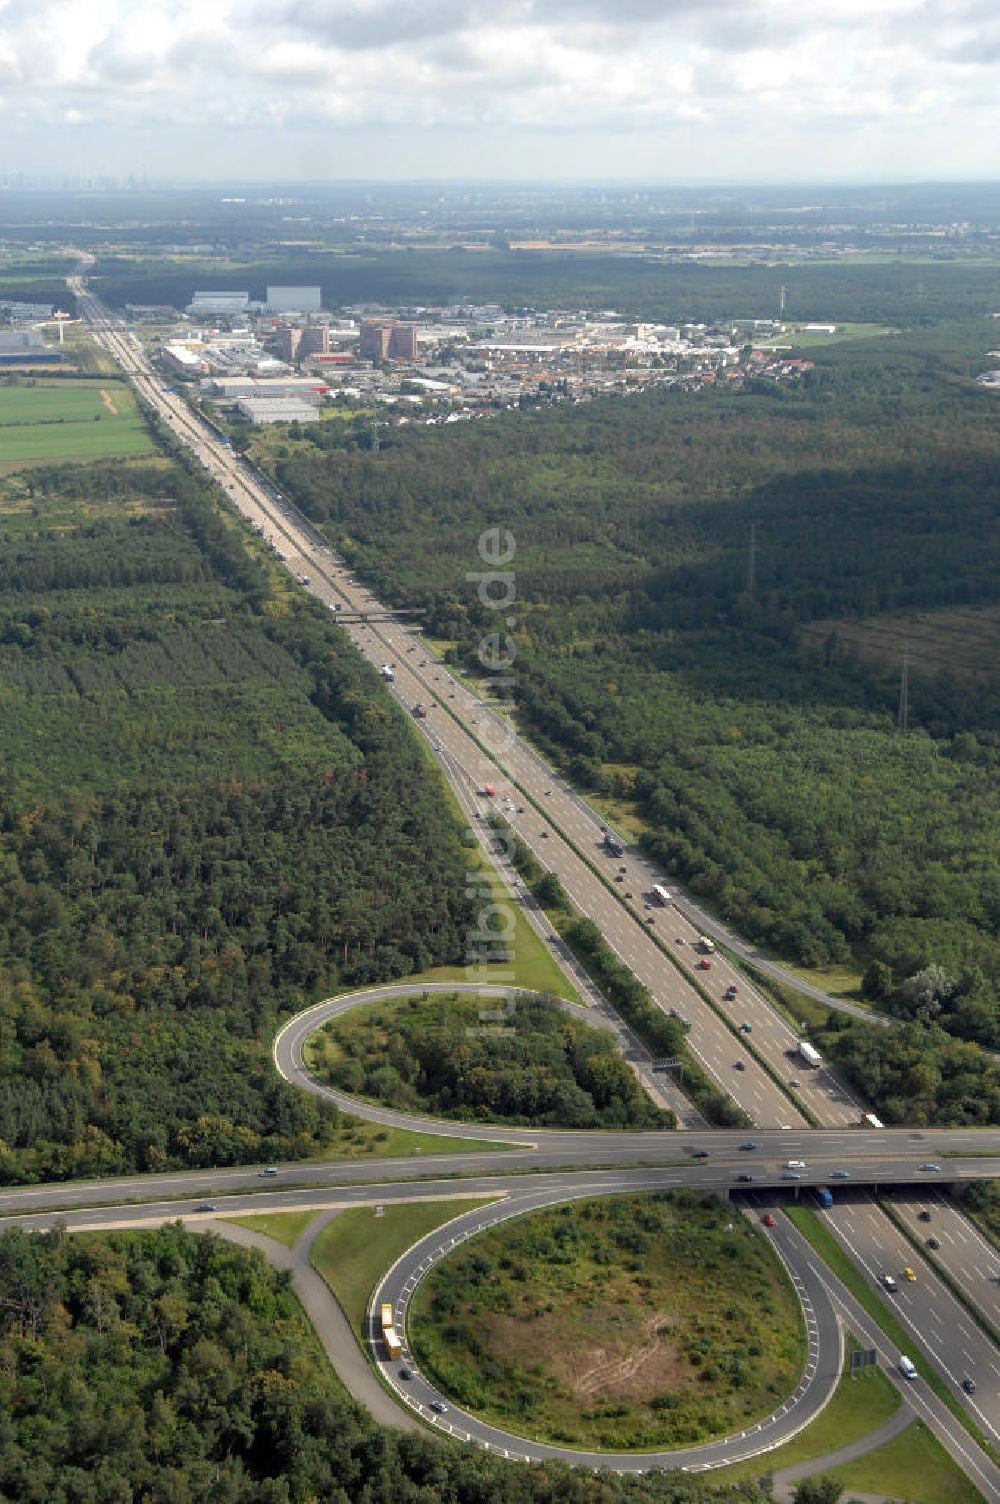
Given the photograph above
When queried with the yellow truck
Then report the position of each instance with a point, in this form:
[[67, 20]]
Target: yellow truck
[[393, 1346], [387, 1317]]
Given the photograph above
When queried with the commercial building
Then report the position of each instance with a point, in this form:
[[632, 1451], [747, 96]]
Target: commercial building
[[314, 340], [294, 299], [403, 342], [287, 341], [375, 337]]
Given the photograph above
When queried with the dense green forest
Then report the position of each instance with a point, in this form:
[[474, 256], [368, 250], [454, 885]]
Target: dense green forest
[[177, 1369], [528, 1062], [907, 290], [210, 812], [765, 770]]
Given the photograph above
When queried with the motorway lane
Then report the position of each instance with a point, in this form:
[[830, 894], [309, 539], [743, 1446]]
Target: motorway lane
[[822, 1371], [964, 1253], [937, 1321], [878, 1158]]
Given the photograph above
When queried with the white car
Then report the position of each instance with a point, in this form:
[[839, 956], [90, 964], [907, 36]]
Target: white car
[[796, 1164]]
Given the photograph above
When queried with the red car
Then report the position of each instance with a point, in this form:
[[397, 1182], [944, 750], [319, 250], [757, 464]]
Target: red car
[[768, 1220], [704, 964]]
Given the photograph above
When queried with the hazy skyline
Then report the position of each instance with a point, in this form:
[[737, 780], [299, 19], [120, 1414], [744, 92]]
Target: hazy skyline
[[742, 90]]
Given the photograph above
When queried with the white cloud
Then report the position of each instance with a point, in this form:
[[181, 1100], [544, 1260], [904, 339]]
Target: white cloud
[[729, 74]]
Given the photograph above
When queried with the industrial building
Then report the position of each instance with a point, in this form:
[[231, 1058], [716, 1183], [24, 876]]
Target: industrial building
[[222, 304], [183, 359], [276, 410], [233, 388], [24, 347], [294, 300]]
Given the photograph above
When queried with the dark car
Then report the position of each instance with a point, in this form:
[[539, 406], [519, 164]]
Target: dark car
[[749, 1144], [969, 1385], [744, 1179], [206, 1206], [439, 1407], [925, 1216], [740, 1065], [933, 1243], [699, 1153], [405, 1373]]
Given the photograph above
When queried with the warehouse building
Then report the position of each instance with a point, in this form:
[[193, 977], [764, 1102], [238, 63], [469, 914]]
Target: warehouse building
[[294, 300], [276, 410], [219, 304], [24, 347]]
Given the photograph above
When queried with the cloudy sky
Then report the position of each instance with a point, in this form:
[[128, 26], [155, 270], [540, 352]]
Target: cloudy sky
[[763, 90]]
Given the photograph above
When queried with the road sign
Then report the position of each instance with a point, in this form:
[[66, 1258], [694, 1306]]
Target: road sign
[[862, 1358]]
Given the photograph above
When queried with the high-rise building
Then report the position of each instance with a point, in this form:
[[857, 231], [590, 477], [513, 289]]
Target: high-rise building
[[314, 339], [375, 336], [288, 340], [403, 342]]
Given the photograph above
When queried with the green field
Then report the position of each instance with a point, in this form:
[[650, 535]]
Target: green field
[[356, 1248], [53, 419], [634, 1321], [283, 1227], [912, 1466]]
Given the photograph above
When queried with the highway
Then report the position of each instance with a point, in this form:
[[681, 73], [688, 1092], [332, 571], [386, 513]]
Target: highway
[[963, 1252], [938, 1324], [755, 1066], [625, 923]]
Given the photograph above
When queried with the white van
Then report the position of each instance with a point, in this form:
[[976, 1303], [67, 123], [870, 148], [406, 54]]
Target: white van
[[907, 1369], [796, 1164]]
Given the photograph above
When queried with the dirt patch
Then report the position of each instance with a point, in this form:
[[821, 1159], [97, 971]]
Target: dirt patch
[[106, 399], [614, 1356]]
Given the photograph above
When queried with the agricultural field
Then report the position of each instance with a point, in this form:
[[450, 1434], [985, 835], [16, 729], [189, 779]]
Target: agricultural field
[[634, 1321], [959, 642], [56, 419]]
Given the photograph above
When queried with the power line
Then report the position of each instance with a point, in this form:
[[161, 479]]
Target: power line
[[903, 718]]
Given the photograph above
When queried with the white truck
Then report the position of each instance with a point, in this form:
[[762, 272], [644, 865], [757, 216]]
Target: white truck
[[809, 1054], [705, 945]]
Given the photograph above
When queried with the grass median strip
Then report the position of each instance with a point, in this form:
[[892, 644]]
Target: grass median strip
[[841, 1264]]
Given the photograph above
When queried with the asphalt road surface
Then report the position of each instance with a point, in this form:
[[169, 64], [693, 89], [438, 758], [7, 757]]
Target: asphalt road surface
[[939, 1325]]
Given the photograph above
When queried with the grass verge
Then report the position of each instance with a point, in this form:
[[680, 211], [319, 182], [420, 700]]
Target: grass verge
[[859, 1406], [283, 1227], [912, 1466], [356, 1248], [841, 1264]]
